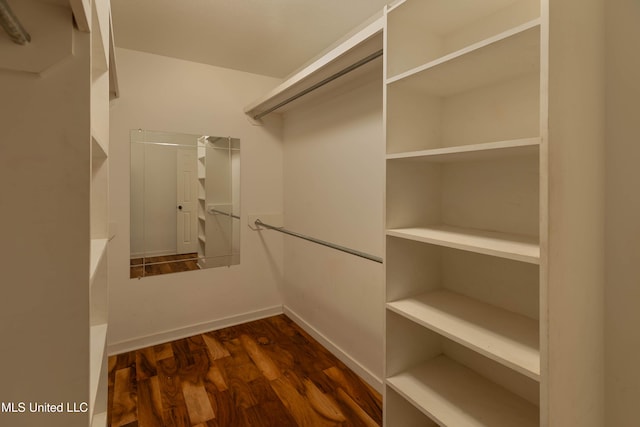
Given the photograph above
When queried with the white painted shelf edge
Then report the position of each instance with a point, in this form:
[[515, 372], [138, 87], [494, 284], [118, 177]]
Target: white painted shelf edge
[[97, 250], [97, 353], [394, 5], [307, 76], [503, 336], [99, 37], [99, 420], [81, 12], [453, 395], [466, 50], [503, 245], [114, 87], [471, 151], [97, 146]]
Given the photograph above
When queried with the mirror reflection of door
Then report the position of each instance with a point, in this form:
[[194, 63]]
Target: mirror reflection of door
[[185, 202], [187, 187]]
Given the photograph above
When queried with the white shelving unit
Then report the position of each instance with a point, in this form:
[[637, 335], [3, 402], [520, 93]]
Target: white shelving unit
[[59, 82], [463, 254], [103, 88], [202, 202]]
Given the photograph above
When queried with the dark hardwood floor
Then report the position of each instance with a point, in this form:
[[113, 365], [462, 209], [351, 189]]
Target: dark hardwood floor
[[266, 373], [152, 266]]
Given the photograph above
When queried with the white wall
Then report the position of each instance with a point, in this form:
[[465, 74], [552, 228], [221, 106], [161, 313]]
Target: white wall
[[333, 188], [622, 290], [160, 93]]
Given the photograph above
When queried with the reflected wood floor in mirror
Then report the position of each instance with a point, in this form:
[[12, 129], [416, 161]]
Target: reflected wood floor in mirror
[[266, 373], [163, 264]]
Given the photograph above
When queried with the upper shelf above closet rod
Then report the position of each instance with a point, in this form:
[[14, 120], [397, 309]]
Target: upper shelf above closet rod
[[366, 44]]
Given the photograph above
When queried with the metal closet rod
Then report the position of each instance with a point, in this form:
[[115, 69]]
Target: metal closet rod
[[329, 79], [320, 242], [9, 21], [224, 213]]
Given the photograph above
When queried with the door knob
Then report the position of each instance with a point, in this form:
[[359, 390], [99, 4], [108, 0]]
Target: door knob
[[179, 207]]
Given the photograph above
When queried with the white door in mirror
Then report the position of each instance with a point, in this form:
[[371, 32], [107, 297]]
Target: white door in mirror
[[187, 188]]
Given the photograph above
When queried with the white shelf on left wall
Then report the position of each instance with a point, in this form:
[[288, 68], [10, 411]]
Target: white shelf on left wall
[[99, 420], [98, 339], [103, 88], [98, 248]]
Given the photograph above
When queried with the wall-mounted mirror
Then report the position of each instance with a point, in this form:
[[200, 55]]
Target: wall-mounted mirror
[[185, 202]]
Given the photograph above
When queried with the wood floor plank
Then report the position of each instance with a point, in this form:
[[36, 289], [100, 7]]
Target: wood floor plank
[[239, 365], [238, 371], [182, 353], [241, 393], [175, 416], [149, 403], [196, 342], [227, 413], [124, 409], [215, 377], [260, 358], [111, 368], [174, 408], [266, 373], [262, 391], [307, 354], [216, 350], [361, 413], [322, 403], [327, 386], [363, 395], [268, 414], [145, 363], [197, 401], [298, 406], [209, 423], [197, 371], [125, 360], [111, 380], [163, 351]]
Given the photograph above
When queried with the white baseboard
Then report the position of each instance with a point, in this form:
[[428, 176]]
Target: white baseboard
[[187, 331], [364, 373]]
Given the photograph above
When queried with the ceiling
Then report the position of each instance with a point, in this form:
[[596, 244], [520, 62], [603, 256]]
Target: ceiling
[[268, 37]]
